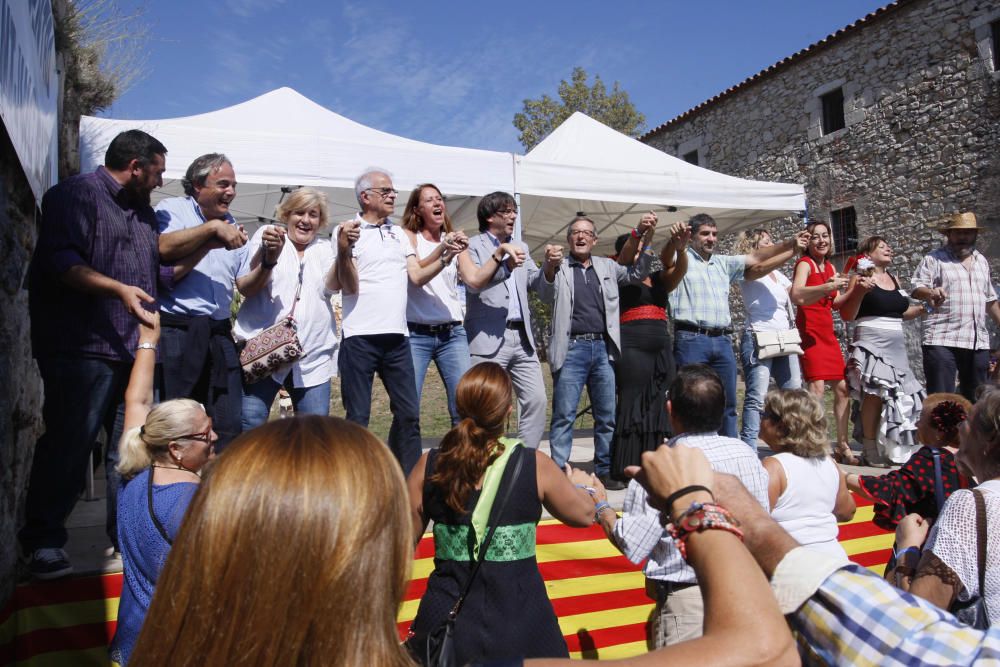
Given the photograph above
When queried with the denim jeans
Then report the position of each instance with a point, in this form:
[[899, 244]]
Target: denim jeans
[[450, 352], [942, 363], [360, 358], [757, 374], [81, 396], [691, 347], [258, 397], [586, 363]]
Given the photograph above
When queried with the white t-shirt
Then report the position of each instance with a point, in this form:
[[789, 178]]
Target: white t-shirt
[[317, 328], [766, 301], [953, 540], [805, 508], [438, 301], [380, 255]]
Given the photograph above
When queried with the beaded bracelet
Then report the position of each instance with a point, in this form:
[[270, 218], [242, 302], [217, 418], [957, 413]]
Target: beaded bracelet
[[699, 517], [600, 507]]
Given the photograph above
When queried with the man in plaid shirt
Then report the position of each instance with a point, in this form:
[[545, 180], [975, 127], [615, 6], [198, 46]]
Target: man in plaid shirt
[[955, 280]]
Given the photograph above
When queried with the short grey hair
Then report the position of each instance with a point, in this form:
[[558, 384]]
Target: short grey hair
[[364, 181], [200, 170]]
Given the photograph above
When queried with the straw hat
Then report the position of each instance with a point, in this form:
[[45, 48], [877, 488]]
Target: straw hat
[[959, 221]]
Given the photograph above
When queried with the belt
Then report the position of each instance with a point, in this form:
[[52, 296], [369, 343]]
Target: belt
[[706, 331], [515, 324], [432, 328], [664, 589], [587, 336], [649, 312]]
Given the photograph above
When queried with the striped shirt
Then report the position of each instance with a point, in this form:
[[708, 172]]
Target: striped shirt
[[960, 321], [91, 220], [702, 297], [639, 534], [846, 615]]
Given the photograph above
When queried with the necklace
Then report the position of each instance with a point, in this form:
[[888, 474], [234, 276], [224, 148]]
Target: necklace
[[177, 467]]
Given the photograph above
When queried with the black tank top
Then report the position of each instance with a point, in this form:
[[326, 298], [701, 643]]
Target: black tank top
[[884, 302]]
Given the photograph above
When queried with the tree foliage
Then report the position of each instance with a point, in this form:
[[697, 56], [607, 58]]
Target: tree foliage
[[615, 109]]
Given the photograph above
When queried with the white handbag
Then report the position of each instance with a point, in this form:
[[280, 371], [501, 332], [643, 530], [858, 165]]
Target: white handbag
[[770, 344]]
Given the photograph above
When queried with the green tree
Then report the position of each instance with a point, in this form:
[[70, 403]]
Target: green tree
[[545, 114]]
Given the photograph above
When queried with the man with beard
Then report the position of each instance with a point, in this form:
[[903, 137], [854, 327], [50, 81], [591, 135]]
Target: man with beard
[[197, 354], [93, 279], [700, 304], [955, 281]]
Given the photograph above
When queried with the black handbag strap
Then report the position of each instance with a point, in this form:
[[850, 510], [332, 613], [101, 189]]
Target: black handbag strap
[[494, 520], [981, 544], [152, 514], [938, 481]]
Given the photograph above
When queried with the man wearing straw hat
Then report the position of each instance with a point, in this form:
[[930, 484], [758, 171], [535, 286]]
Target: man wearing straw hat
[[955, 281]]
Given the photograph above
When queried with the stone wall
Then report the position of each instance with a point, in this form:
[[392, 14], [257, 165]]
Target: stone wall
[[21, 397], [922, 135]]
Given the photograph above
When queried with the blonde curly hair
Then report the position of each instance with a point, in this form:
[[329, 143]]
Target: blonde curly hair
[[800, 422]]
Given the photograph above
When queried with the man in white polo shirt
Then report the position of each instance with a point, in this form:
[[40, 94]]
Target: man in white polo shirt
[[373, 262]]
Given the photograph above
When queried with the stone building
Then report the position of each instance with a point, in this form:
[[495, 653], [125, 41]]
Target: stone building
[[891, 123]]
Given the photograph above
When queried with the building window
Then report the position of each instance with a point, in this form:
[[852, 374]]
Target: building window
[[691, 157], [995, 34], [845, 230], [833, 110]]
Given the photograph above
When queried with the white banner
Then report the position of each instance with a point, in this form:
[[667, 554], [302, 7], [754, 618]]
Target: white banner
[[29, 88]]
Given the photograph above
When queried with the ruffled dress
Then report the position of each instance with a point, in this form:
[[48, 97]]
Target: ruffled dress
[[911, 488], [877, 364]]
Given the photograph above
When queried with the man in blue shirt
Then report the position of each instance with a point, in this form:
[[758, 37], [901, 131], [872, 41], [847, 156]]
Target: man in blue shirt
[[197, 354], [700, 304]]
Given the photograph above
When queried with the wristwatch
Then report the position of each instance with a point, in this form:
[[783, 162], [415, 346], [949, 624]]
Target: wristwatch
[[145, 346]]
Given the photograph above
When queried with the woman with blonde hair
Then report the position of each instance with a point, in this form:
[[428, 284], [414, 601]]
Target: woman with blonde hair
[[461, 487], [296, 552], [292, 284], [807, 490], [768, 305], [161, 455]]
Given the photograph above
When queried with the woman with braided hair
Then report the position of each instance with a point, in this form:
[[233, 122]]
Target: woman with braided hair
[[461, 487], [913, 488]]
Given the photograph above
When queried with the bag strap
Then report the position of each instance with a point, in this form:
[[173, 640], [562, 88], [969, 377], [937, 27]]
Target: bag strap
[[981, 544], [298, 291], [152, 514], [938, 482], [484, 549]]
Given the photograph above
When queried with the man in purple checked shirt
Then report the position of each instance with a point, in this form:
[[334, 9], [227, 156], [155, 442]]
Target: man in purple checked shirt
[[93, 278]]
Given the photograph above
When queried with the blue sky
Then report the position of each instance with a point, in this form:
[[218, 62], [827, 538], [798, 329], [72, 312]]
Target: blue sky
[[456, 72]]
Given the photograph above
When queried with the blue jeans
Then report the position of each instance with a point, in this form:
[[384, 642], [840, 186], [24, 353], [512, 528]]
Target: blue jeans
[[450, 352], [757, 374], [587, 364], [258, 397], [691, 347], [81, 396], [360, 358]]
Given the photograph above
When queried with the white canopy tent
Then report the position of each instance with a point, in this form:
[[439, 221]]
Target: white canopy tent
[[585, 166], [282, 139]]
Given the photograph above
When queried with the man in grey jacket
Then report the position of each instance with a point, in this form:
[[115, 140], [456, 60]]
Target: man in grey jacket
[[498, 316], [586, 338]]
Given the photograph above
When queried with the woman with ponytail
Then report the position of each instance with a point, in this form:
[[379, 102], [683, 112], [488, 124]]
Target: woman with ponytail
[[507, 611], [161, 455]]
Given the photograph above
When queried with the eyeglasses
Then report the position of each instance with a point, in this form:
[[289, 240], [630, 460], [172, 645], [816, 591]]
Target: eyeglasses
[[385, 192], [582, 232], [203, 437], [770, 415], [507, 211]]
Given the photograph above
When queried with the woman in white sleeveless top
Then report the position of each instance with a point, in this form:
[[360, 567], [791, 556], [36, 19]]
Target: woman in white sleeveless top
[[435, 311], [807, 490]]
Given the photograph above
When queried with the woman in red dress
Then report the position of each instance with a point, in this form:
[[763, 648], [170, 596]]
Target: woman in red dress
[[816, 289]]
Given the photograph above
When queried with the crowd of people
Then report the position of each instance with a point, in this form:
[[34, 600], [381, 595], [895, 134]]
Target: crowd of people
[[135, 331]]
